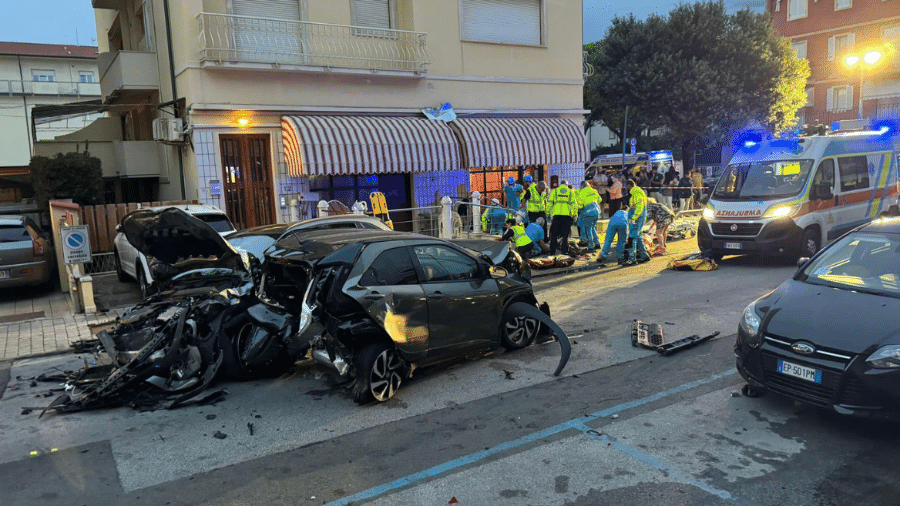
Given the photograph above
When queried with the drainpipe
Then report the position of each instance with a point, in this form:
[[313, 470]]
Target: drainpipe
[[174, 94]]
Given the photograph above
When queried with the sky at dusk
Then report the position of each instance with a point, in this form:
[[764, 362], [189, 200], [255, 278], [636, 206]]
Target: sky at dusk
[[72, 21]]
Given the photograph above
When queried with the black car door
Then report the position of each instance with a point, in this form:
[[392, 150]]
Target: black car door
[[463, 300]]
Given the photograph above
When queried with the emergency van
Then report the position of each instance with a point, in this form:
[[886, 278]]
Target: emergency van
[[788, 197]]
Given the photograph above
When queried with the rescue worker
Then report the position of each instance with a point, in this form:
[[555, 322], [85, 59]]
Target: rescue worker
[[662, 217], [562, 208], [618, 228], [492, 218], [637, 216], [515, 232], [513, 193], [536, 201], [536, 231], [588, 214]]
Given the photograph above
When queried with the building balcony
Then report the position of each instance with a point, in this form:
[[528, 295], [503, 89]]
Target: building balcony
[[50, 89], [235, 41], [127, 73]]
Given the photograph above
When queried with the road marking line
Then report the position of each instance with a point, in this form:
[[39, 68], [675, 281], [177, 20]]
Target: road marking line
[[575, 424], [653, 461]]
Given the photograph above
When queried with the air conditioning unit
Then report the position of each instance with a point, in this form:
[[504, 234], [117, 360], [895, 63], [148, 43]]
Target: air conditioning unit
[[168, 130]]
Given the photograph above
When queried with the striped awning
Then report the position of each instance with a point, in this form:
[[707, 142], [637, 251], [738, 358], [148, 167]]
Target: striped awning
[[497, 142], [333, 145]]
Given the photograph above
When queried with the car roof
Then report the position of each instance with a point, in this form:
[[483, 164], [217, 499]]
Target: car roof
[[191, 208], [10, 219], [314, 245], [273, 230], [885, 225], [341, 218]]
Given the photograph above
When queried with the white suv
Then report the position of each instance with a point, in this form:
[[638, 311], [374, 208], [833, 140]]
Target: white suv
[[130, 263]]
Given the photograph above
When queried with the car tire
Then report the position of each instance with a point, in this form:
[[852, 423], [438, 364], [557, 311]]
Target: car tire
[[809, 245], [119, 272], [518, 332], [238, 370], [379, 373], [142, 281]]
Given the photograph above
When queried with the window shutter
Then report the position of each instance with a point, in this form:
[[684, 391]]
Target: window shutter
[[830, 99], [810, 97], [830, 48], [275, 9], [505, 21], [851, 41], [372, 13], [849, 104]]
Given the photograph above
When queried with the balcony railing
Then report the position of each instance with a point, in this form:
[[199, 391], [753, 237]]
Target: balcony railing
[[243, 39], [49, 88]]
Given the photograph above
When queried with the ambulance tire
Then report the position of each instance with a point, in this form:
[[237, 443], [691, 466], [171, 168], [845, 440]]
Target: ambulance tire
[[809, 245]]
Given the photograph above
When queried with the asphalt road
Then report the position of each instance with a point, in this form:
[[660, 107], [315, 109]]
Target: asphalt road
[[621, 425]]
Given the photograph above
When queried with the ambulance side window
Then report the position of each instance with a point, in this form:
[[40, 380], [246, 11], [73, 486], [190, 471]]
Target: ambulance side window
[[854, 173], [823, 182]]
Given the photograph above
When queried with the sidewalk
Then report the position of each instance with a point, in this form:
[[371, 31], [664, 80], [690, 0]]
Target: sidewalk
[[35, 324]]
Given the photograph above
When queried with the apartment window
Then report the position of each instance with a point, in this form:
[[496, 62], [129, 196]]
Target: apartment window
[[797, 9], [374, 14], [839, 45], [840, 5], [86, 76], [502, 21], [800, 49], [840, 98], [810, 97], [43, 76]]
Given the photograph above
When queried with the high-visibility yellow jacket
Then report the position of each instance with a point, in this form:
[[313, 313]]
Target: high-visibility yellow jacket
[[586, 196], [520, 238], [562, 202], [537, 201], [638, 202]]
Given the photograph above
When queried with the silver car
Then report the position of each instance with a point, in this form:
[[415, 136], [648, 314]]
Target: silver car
[[26, 256]]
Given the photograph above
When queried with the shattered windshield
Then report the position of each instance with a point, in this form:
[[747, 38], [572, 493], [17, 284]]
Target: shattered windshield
[[763, 180]]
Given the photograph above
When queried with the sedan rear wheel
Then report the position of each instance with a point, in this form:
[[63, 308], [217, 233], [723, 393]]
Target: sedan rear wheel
[[142, 281], [379, 373], [119, 272], [518, 332]]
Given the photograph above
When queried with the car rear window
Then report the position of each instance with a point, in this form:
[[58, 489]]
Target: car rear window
[[218, 222], [14, 233]]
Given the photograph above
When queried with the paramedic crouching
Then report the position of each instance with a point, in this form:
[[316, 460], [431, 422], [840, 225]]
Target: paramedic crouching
[[515, 232], [637, 216]]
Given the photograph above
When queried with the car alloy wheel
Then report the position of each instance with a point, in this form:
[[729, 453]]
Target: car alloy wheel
[[380, 372], [519, 332]]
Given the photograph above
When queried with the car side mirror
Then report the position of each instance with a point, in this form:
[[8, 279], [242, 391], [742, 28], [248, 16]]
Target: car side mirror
[[822, 191], [802, 261], [498, 272], [119, 227]]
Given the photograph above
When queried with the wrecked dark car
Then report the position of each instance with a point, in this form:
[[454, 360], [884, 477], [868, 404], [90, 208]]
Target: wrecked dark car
[[373, 306], [167, 349]]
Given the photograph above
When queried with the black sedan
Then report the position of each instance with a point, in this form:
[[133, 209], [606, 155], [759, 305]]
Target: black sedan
[[374, 305], [829, 335]]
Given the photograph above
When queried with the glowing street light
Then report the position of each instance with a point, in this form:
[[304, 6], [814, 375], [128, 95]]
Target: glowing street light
[[869, 59]]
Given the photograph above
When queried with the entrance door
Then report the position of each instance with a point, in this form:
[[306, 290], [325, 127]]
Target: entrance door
[[248, 190]]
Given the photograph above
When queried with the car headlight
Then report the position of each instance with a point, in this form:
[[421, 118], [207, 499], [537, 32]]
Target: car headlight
[[305, 315], [887, 357], [782, 211], [750, 324], [709, 213]]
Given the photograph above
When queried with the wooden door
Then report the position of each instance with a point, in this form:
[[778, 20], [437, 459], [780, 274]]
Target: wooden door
[[248, 188]]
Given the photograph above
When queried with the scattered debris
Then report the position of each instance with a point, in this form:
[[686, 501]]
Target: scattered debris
[[615, 417], [219, 435], [250, 427], [33, 384], [26, 411], [650, 335], [453, 500], [735, 393], [694, 262], [210, 417], [509, 374]]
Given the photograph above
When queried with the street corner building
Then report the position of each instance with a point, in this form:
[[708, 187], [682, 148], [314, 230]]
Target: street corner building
[[265, 108]]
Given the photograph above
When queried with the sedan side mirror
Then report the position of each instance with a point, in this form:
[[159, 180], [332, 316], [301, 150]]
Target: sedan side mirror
[[498, 272], [822, 191], [802, 261], [119, 227]]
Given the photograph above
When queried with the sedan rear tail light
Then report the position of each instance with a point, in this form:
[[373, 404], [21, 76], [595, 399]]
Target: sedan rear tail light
[[37, 243]]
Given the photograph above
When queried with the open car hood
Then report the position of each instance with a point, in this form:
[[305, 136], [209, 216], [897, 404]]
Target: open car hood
[[496, 251], [180, 241]]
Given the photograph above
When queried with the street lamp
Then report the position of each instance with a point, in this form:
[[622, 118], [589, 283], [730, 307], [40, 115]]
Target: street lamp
[[868, 60]]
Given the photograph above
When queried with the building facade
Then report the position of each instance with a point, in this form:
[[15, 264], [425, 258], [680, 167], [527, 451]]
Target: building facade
[[250, 105], [34, 75], [825, 32]]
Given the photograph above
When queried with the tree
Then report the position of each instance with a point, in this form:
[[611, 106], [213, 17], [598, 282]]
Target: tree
[[699, 71], [75, 176]]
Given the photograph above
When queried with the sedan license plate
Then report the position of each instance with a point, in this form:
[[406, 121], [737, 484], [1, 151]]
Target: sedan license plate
[[4, 274], [733, 245], [798, 371]]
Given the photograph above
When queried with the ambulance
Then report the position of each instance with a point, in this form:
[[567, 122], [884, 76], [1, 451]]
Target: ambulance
[[788, 197]]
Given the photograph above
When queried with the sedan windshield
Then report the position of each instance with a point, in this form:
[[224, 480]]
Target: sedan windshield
[[865, 262], [763, 180]]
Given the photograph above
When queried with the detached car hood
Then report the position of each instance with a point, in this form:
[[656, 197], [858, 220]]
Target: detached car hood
[[832, 318], [179, 240]]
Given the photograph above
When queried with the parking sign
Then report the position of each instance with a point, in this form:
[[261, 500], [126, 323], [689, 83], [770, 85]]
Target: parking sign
[[75, 244]]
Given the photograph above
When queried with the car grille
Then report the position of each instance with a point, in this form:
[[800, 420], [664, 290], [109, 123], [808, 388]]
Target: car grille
[[742, 229]]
